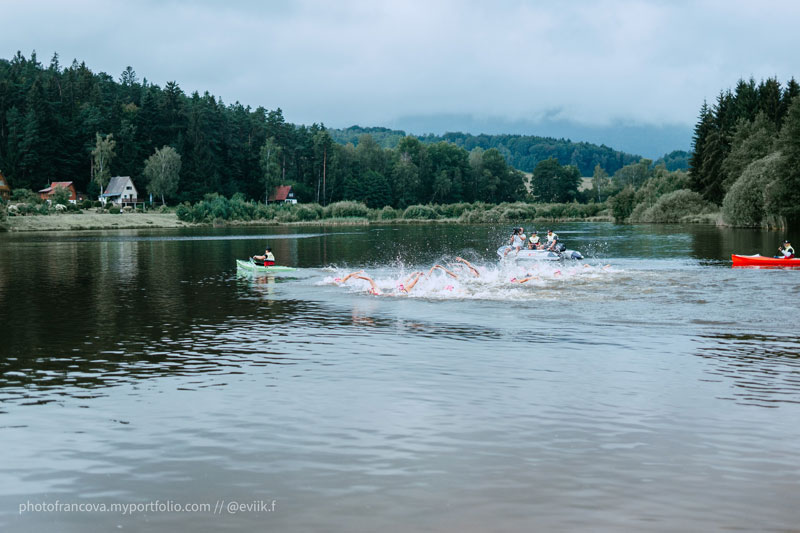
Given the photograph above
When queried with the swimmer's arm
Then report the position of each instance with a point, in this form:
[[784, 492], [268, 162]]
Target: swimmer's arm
[[448, 272], [369, 279], [469, 265], [352, 274], [410, 283]]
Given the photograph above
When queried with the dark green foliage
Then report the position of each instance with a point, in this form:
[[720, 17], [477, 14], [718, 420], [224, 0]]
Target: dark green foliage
[[731, 128], [634, 174], [622, 204], [784, 197], [751, 141], [523, 152], [671, 207], [50, 118], [553, 183], [114, 211], [388, 213], [25, 196], [346, 210], [420, 212], [744, 204], [376, 189], [675, 160]]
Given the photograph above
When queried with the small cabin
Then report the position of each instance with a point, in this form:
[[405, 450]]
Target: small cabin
[[47, 193], [283, 194], [5, 190], [120, 190]]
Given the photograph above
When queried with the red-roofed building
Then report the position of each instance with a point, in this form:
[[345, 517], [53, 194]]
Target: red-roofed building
[[5, 190], [45, 194], [283, 194]]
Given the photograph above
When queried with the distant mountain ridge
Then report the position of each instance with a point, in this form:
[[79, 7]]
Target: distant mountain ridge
[[521, 151]]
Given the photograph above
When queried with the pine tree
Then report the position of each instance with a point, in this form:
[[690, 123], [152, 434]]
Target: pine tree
[[785, 199], [702, 129]]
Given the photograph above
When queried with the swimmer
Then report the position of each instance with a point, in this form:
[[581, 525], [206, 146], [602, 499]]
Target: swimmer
[[373, 287], [469, 266], [440, 267], [350, 275], [410, 282], [523, 280]]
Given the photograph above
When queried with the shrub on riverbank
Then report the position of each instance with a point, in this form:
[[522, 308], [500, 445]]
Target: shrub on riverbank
[[218, 208], [420, 212], [346, 209], [744, 205], [672, 207]]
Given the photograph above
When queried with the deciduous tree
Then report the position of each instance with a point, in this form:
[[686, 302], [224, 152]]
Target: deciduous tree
[[162, 169]]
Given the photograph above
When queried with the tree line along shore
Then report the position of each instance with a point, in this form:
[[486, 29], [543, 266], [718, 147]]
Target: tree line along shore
[[218, 163]]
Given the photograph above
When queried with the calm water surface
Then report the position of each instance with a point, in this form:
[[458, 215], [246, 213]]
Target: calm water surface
[[650, 387]]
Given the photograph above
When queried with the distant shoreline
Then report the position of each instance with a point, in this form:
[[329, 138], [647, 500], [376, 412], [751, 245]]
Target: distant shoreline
[[126, 221]]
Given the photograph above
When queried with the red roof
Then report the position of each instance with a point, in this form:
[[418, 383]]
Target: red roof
[[53, 185], [281, 193]]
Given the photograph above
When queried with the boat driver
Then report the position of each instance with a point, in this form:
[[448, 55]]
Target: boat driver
[[552, 240]]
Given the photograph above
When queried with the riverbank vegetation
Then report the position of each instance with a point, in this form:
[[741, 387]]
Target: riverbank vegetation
[[83, 126], [217, 209]]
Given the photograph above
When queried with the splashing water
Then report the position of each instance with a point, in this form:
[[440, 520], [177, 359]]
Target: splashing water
[[496, 281]]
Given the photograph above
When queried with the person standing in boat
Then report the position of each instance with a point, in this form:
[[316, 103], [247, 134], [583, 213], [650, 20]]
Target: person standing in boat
[[268, 259], [786, 251]]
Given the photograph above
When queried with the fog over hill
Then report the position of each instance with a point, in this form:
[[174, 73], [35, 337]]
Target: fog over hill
[[649, 140]]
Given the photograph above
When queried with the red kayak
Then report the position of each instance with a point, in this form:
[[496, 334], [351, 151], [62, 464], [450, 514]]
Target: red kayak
[[760, 260]]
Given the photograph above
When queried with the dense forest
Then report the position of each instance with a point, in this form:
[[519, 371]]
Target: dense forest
[[744, 169], [68, 123], [747, 153]]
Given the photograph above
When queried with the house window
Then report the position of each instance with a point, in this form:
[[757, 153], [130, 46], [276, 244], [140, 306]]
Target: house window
[[128, 188]]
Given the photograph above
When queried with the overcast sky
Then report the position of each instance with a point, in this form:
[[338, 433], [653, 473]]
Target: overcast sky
[[370, 62]]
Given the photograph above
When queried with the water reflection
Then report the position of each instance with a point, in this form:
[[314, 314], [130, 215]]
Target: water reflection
[[764, 370], [137, 369]]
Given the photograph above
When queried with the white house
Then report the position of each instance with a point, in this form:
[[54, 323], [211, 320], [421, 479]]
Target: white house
[[120, 190]]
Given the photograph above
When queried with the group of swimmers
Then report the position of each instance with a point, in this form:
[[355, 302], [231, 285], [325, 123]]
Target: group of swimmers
[[407, 285], [518, 241]]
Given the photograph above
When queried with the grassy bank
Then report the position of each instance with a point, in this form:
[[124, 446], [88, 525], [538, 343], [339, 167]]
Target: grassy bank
[[94, 221]]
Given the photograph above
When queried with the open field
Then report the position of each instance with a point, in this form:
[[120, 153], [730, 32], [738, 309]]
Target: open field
[[94, 221]]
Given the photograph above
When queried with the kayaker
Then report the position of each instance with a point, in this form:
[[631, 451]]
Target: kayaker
[[786, 251], [267, 258]]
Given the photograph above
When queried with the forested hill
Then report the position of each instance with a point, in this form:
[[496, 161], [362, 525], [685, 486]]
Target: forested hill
[[68, 123], [521, 151]]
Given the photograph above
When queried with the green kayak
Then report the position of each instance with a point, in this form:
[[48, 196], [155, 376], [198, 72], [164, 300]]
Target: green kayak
[[252, 267]]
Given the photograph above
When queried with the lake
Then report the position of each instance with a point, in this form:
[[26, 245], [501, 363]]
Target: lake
[[649, 387]]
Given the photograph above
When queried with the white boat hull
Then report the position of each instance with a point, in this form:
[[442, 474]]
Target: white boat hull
[[537, 255]]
